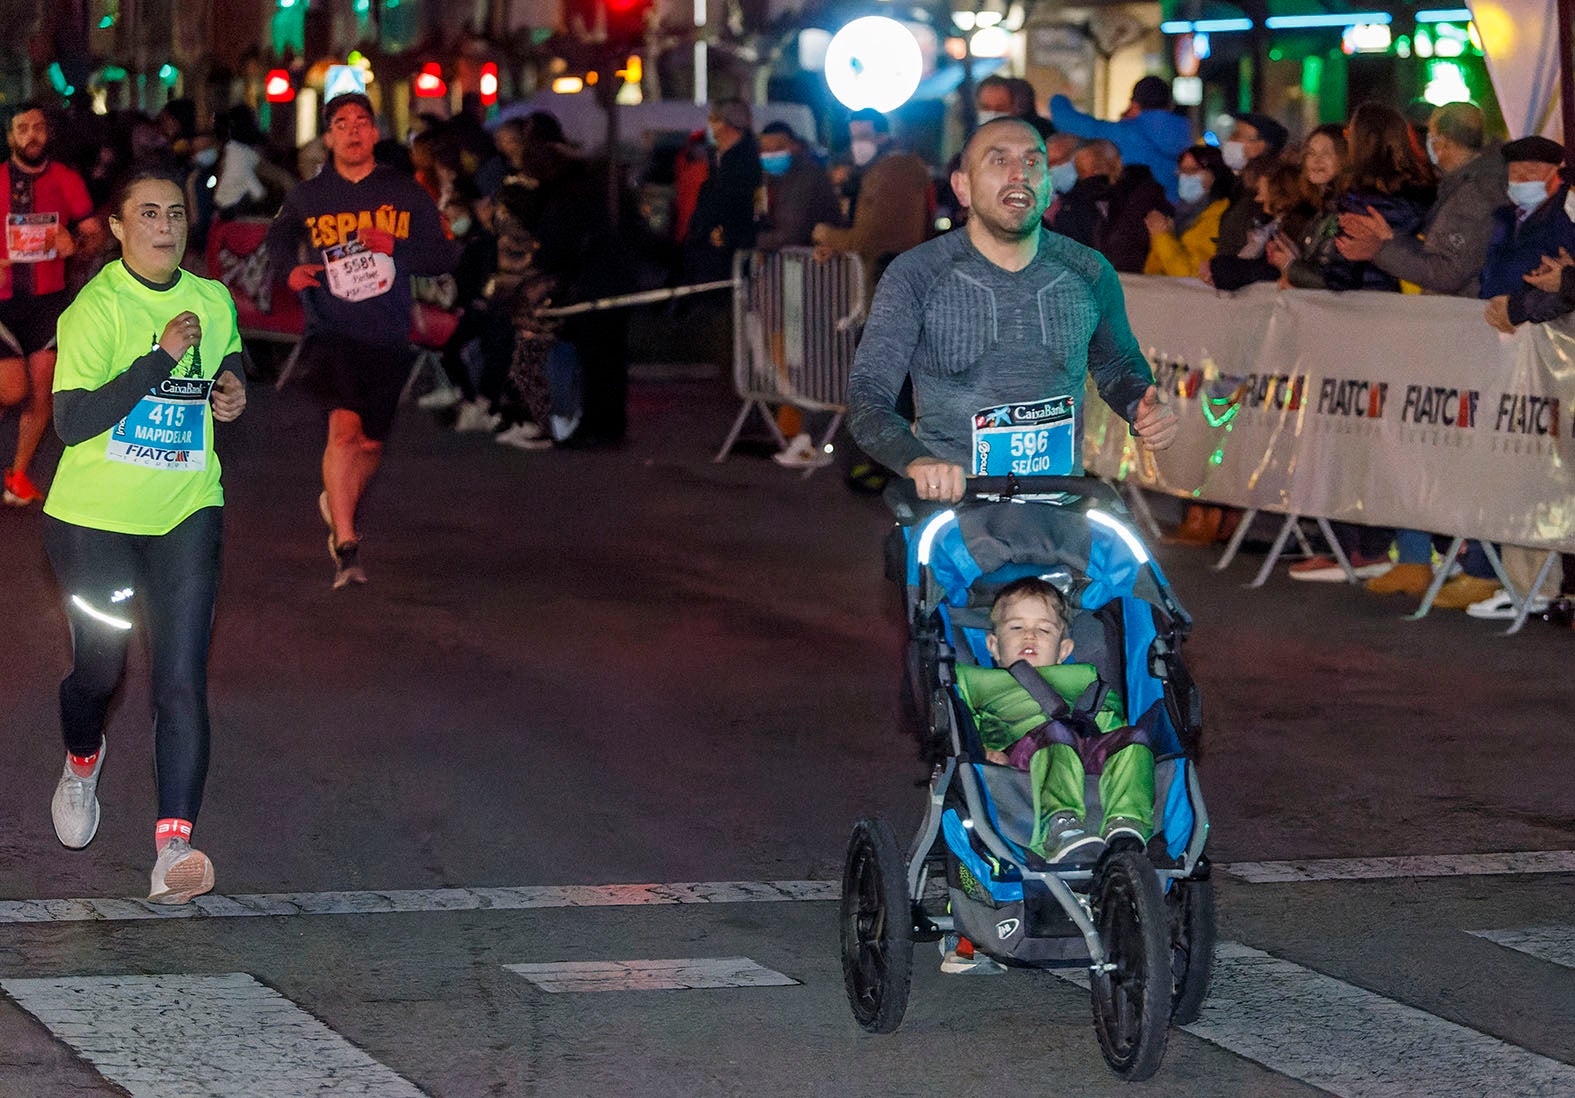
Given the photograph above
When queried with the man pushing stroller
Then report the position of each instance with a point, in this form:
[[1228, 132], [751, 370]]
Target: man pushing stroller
[[999, 325]]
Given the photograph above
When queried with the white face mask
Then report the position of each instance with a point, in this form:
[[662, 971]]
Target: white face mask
[[991, 116], [1235, 154], [1063, 177], [1528, 196], [1189, 188], [863, 151], [460, 225]]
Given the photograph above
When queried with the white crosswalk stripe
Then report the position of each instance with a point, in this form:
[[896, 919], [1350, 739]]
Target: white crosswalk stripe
[[223, 1035], [686, 974], [1547, 943], [1353, 1042]]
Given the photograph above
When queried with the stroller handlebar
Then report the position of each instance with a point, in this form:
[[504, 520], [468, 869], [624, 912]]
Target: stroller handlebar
[[902, 496]]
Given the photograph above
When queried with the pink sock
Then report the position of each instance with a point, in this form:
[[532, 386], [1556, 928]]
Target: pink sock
[[168, 829], [82, 765]]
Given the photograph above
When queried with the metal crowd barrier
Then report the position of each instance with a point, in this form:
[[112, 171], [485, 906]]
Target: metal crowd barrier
[[795, 323]]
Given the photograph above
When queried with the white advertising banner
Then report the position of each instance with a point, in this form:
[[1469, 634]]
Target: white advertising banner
[[1382, 409]]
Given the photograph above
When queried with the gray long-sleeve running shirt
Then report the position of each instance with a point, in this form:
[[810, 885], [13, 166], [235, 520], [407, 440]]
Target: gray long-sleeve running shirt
[[974, 335]]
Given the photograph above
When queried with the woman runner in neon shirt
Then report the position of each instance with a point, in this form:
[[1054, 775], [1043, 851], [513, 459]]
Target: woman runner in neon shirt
[[149, 356]]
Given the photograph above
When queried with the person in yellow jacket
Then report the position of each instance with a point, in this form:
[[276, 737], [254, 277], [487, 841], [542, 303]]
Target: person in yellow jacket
[[1180, 244], [149, 359]]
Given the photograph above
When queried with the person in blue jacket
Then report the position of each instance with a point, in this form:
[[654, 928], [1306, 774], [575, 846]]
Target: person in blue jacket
[[1147, 133], [1533, 223]]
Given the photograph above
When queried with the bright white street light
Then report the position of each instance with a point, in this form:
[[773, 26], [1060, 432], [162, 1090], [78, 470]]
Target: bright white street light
[[873, 62]]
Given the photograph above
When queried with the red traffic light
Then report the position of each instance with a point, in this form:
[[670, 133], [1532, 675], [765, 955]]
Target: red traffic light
[[626, 19], [429, 82], [487, 85], [278, 88]]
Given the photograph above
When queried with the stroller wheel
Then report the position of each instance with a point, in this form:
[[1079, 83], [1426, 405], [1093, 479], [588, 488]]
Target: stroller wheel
[[1193, 930], [1132, 998], [877, 927]]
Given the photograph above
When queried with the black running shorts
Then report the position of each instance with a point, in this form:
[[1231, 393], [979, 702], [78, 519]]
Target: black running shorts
[[30, 323], [360, 377]]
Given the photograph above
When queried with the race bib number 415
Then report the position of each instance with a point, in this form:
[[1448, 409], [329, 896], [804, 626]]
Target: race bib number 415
[[1026, 439], [168, 429], [356, 273]]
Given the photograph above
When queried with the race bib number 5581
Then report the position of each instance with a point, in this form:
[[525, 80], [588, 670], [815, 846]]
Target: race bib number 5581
[[356, 273]]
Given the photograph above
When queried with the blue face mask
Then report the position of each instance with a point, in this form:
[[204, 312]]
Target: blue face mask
[[1063, 177], [775, 163], [1528, 196], [1189, 188]]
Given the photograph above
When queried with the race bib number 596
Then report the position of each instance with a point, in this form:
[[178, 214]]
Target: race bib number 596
[[1033, 438]]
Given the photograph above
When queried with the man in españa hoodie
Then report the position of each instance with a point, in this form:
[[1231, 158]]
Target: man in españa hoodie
[[1147, 132]]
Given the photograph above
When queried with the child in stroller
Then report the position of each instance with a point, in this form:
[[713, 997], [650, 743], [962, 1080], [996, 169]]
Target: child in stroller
[[1075, 727]]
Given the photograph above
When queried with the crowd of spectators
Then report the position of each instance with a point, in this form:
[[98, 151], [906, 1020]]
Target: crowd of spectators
[[1373, 204]]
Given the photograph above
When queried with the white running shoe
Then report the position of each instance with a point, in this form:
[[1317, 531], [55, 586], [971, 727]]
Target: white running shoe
[[523, 436], [439, 399], [474, 415], [801, 454], [74, 807], [179, 874], [958, 959], [1500, 606]]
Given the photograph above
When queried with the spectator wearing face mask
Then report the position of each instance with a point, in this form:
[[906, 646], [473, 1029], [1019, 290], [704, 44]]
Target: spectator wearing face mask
[[1108, 207], [895, 205], [1447, 254], [1009, 97], [1254, 145], [1181, 243], [1533, 225], [799, 194], [1148, 133], [1059, 150], [724, 216]]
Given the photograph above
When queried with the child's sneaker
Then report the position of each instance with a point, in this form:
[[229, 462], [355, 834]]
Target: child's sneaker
[[179, 874], [959, 959], [1120, 831], [1070, 840]]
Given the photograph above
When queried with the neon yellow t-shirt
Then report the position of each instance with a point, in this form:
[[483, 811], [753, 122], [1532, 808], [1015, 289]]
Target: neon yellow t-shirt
[[157, 466]]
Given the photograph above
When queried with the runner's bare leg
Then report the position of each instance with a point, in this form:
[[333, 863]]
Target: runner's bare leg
[[349, 460], [34, 420]]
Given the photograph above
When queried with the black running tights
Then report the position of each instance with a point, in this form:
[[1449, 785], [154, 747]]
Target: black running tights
[[167, 582]]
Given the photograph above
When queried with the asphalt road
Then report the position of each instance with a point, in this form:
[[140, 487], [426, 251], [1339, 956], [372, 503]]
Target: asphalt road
[[636, 666]]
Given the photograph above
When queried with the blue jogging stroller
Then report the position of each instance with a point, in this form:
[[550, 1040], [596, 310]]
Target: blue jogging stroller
[[1141, 921]]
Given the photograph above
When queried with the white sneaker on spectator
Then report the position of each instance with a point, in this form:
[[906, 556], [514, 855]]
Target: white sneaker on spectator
[[1500, 606], [564, 426], [523, 436], [801, 453], [439, 399], [474, 415]]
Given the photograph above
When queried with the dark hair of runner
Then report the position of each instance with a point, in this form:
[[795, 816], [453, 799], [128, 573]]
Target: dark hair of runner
[[24, 107], [122, 191]]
